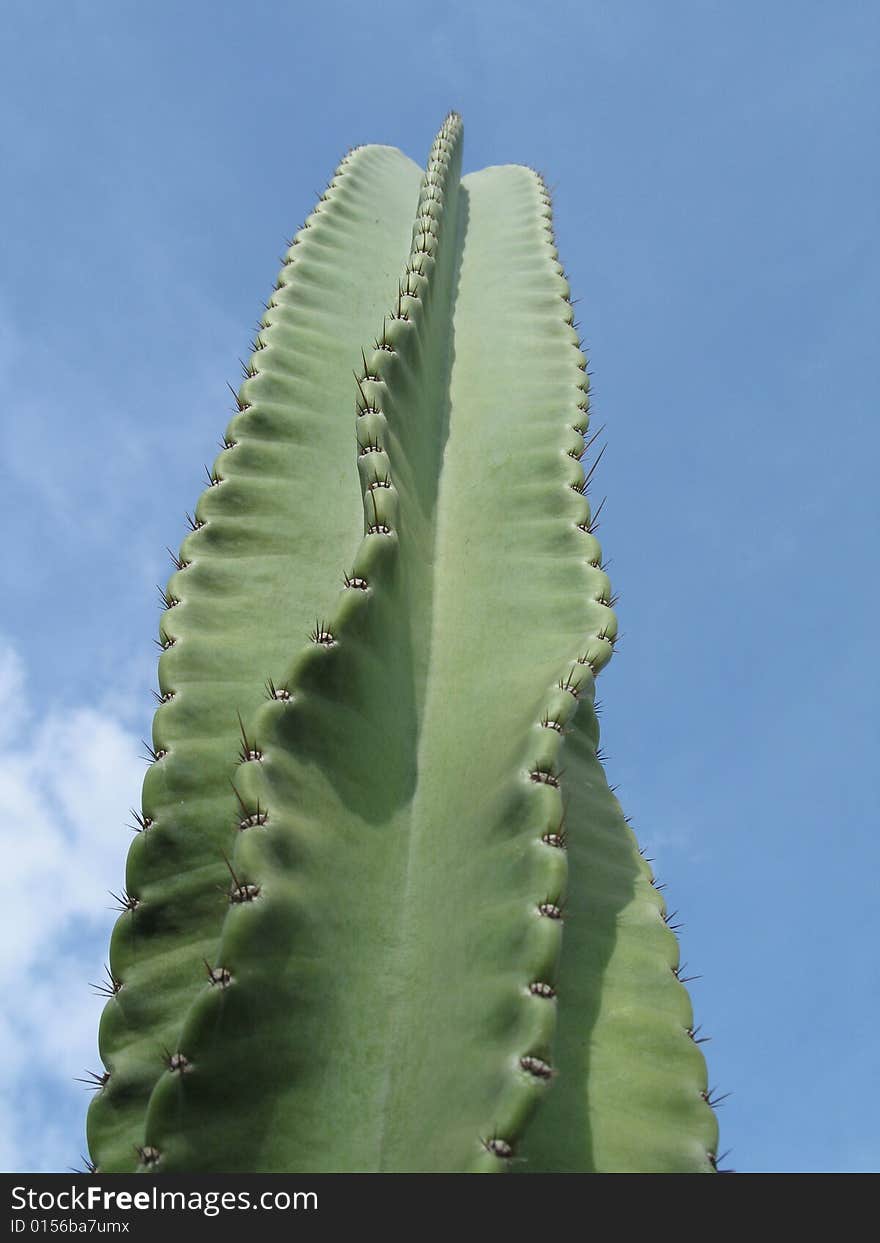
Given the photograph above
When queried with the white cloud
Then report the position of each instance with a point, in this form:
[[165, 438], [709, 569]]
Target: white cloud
[[67, 779], [12, 685]]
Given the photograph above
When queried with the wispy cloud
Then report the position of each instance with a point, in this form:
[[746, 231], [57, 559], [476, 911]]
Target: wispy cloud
[[67, 778]]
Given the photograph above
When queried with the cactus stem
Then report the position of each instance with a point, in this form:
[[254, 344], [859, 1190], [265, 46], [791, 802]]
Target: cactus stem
[[405, 702]]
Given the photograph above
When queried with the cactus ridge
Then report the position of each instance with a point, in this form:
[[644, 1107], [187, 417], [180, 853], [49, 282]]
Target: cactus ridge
[[627, 1046], [218, 633], [417, 826]]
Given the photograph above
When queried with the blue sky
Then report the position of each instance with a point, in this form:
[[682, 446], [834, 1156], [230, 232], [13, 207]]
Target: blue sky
[[715, 183]]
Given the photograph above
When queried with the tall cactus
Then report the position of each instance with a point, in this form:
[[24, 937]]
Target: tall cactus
[[377, 851]]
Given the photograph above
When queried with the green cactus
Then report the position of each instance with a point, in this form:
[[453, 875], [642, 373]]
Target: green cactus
[[377, 851]]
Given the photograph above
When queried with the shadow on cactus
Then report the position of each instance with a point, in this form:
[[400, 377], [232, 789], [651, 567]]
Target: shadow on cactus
[[382, 911]]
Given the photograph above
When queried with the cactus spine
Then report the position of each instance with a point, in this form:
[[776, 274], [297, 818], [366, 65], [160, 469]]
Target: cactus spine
[[377, 850]]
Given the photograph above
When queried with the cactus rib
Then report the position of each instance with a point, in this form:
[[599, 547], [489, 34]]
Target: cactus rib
[[254, 569]]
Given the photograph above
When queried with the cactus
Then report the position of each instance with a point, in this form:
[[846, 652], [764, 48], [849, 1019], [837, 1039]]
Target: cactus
[[377, 852]]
